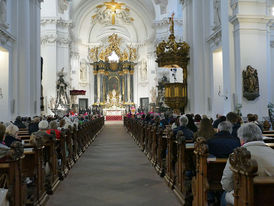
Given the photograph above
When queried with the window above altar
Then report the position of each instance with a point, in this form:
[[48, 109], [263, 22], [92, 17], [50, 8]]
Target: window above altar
[[113, 57]]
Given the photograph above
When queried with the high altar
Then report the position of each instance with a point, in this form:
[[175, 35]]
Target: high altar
[[113, 70]]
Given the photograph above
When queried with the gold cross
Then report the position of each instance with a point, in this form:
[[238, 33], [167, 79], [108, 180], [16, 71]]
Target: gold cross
[[113, 6]]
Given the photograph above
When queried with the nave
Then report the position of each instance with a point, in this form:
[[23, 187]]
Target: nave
[[113, 171]]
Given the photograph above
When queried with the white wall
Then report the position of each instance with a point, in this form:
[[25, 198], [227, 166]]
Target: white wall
[[4, 84], [218, 92]]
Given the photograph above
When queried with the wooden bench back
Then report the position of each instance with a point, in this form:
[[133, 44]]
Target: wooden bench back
[[208, 173], [249, 189]]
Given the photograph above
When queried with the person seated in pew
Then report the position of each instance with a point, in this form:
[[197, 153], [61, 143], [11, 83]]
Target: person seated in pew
[[183, 121], [163, 120], [266, 125], [223, 143], [11, 135], [53, 127], [205, 130], [220, 118], [251, 138], [191, 125], [33, 126], [234, 119], [254, 119], [18, 122]]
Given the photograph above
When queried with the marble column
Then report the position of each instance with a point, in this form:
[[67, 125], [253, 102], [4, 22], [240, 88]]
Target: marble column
[[24, 73], [98, 87], [95, 86], [250, 40], [121, 85], [131, 86], [101, 86], [126, 86], [106, 87]]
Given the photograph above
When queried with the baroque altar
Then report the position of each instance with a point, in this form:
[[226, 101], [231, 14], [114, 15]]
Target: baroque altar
[[113, 69]]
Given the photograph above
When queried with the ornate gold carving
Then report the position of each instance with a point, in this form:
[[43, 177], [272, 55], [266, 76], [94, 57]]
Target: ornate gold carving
[[176, 95], [126, 71], [113, 66], [132, 53], [250, 83], [172, 54], [200, 147], [125, 56], [93, 53], [111, 10], [101, 71], [241, 161]]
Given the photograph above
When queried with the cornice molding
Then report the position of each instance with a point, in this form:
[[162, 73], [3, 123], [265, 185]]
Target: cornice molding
[[215, 38], [250, 19], [5, 36], [165, 21], [53, 38], [58, 22]]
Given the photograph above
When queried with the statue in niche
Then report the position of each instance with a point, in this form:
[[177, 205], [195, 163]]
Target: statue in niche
[[250, 83], [62, 100], [153, 95], [83, 72], [3, 13], [217, 9], [143, 70]]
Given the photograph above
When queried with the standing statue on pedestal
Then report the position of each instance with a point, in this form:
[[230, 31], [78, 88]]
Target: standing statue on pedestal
[[62, 100]]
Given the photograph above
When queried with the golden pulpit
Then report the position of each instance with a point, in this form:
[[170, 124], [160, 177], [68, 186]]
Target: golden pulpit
[[172, 54]]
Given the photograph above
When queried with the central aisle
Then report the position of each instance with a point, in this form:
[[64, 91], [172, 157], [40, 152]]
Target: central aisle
[[113, 172]]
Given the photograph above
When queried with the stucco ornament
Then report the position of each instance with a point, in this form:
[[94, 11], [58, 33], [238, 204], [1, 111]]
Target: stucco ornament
[[143, 70], [63, 5], [3, 13], [108, 12]]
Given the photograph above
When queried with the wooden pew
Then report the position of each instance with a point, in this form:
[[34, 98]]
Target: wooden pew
[[154, 144], [11, 176], [171, 158], [161, 152], [208, 173], [249, 189], [32, 167], [185, 168]]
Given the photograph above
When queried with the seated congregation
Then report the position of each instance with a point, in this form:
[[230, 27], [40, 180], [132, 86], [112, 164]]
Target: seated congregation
[[206, 162], [36, 154]]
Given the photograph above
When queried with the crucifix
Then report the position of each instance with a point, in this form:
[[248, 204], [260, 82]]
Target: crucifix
[[113, 6]]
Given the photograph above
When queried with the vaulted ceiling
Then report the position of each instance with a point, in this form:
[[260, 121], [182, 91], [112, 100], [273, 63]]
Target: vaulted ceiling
[[139, 31]]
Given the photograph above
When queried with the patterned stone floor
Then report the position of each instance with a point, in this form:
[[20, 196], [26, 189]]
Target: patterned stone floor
[[113, 172]]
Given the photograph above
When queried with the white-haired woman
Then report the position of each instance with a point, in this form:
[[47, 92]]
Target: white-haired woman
[[11, 135], [251, 138], [188, 134]]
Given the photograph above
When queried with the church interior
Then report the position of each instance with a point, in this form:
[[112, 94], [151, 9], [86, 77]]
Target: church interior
[[136, 102]]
